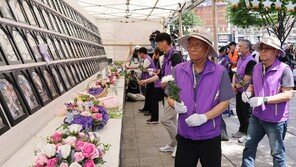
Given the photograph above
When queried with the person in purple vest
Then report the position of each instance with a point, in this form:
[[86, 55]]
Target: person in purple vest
[[147, 64], [169, 116], [158, 91], [271, 88], [205, 93], [241, 80]]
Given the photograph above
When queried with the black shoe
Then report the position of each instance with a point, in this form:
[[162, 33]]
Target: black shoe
[[142, 110], [149, 121], [147, 113]]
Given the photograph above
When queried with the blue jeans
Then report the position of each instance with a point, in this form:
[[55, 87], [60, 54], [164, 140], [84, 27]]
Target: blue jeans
[[256, 131]]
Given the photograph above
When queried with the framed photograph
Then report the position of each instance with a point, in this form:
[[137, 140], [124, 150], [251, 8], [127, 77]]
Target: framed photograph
[[27, 91], [27, 9], [31, 38], [2, 60], [11, 100], [4, 126], [69, 74], [8, 48], [59, 49], [65, 50], [64, 77], [22, 46], [49, 81], [70, 50], [57, 78], [39, 85], [74, 72], [77, 71], [81, 71], [6, 11], [47, 19], [37, 14]]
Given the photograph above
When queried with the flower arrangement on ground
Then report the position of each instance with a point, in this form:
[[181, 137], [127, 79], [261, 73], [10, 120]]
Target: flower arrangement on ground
[[86, 111], [71, 148]]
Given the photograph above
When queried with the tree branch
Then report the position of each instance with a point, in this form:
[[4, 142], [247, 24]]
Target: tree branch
[[290, 28], [265, 21]]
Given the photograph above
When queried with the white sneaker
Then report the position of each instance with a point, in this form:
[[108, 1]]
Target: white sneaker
[[238, 134], [243, 139], [174, 152], [166, 148]]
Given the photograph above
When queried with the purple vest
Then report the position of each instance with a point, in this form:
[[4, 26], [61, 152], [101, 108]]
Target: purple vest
[[207, 97], [241, 68], [145, 75], [269, 85], [167, 64]]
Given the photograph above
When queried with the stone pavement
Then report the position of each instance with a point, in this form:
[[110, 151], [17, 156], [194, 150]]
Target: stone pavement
[[140, 141]]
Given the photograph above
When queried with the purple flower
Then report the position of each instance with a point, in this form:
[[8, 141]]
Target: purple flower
[[95, 91], [85, 121]]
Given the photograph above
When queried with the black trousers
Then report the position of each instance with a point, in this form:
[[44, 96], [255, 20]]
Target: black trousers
[[156, 97], [243, 111], [148, 97], [189, 152]]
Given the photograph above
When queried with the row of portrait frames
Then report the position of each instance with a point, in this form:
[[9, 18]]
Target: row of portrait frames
[[25, 91], [21, 46], [30, 13]]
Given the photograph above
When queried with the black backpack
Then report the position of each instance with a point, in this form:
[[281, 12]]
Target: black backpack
[[133, 86]]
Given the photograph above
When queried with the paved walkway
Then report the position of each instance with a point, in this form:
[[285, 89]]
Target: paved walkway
[[140, 141]]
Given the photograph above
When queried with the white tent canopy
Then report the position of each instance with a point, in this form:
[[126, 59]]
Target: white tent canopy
[[129, 11]]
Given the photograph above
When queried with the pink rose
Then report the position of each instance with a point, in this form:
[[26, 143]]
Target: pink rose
[[63, 164], [52, 162], [78, 156], [96, 154], [88, 150], [56, 137], [97, 116], [79, 145], [40, 159], [89, 163], [58, 145]]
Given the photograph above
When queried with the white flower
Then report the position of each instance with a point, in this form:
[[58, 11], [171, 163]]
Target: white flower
[[70, 140], [86, 113], [75, 164], [75, 128], [93, 136], [49, 150], [167, 78], [38, 147], [65, 151]]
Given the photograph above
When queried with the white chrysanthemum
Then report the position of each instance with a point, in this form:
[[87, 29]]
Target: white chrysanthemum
[[75, 128], [167, 78], [49, 150], [65, 151], [75, 164], [94, 136]]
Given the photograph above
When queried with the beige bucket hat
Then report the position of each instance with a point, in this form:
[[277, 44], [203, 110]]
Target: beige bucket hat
[[201, 34], [270, 41]]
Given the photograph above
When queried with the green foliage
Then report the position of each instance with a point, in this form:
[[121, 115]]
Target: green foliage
[[277, 21], [174, 91], [189, 20]]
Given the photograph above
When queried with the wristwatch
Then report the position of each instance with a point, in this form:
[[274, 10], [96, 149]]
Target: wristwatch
[[265, 100]]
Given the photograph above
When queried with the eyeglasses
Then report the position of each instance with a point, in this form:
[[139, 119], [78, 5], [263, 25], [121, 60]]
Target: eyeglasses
[[195, 45], [265, 49]]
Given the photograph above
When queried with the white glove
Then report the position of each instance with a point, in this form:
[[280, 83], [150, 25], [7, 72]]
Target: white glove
[[246, 96], [256, 101], [180, 107], [196, 120]]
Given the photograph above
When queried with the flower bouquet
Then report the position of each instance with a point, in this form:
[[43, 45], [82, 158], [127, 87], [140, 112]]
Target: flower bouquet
[[86, 111], [99, 89], [172, 88], [71, 148]]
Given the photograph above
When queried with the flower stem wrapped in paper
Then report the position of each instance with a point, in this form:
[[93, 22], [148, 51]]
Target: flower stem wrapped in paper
[[172, 87]]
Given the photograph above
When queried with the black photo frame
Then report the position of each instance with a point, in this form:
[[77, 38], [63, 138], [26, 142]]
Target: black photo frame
[[27, 90], [58, 79], [50, 82], [11, 100], [64, 76], [40, 85]]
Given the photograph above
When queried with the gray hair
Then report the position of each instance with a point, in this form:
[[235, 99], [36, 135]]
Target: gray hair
[[248, 43]]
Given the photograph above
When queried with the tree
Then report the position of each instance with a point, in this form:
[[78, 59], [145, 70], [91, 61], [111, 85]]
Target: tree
[[189, 20], [277, 17]]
